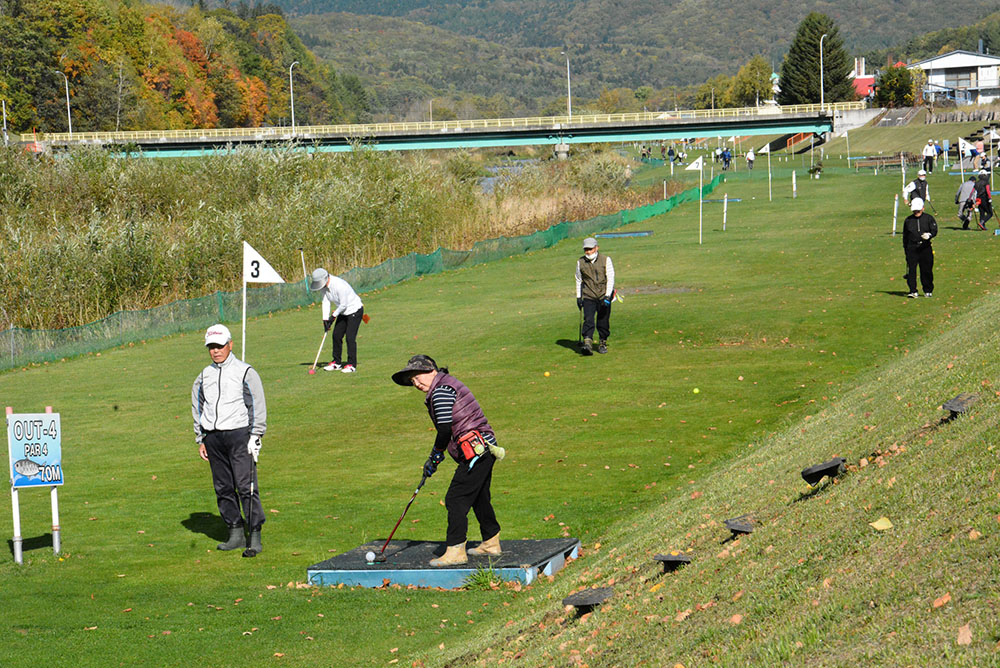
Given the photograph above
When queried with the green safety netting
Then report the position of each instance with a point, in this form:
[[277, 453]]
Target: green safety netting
[[19, 347]]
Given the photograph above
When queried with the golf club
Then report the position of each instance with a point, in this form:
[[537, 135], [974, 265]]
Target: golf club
[[319, 352], [253, 476], [380, 557]]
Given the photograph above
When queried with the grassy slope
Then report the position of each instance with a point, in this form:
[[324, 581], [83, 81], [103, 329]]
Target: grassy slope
[[343, 452]]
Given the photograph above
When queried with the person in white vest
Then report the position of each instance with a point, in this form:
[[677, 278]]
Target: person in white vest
[[348, 314], [230, 418]]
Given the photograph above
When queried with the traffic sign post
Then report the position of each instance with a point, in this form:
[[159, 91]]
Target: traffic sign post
[[34, 445]]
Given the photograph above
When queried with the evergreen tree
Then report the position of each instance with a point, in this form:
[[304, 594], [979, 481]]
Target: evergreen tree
[[800, 80]]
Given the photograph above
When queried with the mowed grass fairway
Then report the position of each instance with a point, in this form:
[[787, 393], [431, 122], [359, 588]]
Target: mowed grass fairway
[[773, 320]]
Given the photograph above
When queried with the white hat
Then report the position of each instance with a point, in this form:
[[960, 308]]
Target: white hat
[[930, 141], [319, 278], [218, 334], [589, 242], [916, 204], [983, 172], [921, 173]]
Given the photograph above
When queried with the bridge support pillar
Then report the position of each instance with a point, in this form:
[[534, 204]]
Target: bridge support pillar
[[562, 151]]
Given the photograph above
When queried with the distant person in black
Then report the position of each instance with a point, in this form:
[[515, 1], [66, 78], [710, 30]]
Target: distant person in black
[[918, 230], [985, 197], [671, 154]]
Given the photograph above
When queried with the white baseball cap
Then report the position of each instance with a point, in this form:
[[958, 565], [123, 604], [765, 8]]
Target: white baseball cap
[[930, 141], [921, 173], [916, 204], [218, 335]]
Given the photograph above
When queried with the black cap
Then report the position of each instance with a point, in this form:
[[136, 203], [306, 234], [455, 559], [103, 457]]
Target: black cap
[[417, 364], [832, 468]]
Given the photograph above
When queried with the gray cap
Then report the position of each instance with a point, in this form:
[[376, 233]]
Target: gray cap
[[319, 279], [417, 364], [589, 242]]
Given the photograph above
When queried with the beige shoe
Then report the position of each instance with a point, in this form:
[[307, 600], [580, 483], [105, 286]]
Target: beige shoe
[[453, 556], [488, 548]]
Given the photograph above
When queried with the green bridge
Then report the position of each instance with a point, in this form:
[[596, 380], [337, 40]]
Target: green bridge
[[553, 130]]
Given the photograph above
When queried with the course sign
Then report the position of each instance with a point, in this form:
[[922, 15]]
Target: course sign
[[35, 447]]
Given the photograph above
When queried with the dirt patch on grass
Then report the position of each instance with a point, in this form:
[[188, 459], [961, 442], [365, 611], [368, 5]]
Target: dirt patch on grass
[[657, 289]]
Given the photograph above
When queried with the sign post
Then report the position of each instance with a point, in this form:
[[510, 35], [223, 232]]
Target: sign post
[[34, 446]]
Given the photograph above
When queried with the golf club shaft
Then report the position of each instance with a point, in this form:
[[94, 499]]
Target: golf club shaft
[[422, 481], [320, 351]]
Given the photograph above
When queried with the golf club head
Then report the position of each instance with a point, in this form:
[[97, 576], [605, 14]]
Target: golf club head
[[380, 558], [248, 553]]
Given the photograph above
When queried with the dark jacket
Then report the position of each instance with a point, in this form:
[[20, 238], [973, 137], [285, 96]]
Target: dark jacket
[[914, 227]]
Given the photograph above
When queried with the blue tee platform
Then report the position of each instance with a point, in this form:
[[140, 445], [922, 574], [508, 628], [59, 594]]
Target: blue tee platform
[[406, 564]]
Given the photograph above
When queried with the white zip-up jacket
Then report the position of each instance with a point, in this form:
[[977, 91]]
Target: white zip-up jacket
[[228, 396], [341, 293]]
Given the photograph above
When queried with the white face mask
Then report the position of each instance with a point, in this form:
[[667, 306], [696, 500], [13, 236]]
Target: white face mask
[[590, 255], [923, 178]]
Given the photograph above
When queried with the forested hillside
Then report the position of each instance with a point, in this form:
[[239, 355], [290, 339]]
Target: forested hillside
[[651, 42], [138, 65], [945, 40]]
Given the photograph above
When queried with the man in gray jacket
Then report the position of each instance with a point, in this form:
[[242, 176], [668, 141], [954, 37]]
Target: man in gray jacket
[[230, 417]]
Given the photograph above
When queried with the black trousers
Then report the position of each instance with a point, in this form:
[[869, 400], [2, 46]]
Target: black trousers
[[923, 257], [594, 309], [232, 470], [985, 212], [928, 164], [347, 324], [470, 488]]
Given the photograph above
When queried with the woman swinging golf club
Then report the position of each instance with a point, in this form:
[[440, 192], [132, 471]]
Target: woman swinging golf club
[[462, 431]]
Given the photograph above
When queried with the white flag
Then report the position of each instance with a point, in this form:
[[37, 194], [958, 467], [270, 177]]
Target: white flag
[[256, 269], [694, 166], [992, 135], [765, 149], [964, 147]]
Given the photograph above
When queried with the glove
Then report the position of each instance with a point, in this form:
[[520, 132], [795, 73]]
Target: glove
[[606, 301], [431, 465], [253, 447], [579, 302], [925, 236], [327, 324]]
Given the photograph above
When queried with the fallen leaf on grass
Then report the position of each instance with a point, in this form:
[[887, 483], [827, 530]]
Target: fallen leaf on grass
[[942, 600], [682, 615], [279, 654], [654, 588], [964, 635], [736, 619], [738, 595], [975, 535], [881, 524], [89, 628]]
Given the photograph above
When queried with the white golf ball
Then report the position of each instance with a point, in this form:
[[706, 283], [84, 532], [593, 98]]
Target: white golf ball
[[369, 556]]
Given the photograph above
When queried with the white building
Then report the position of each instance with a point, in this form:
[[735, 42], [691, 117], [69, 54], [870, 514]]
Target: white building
[[963, 76]]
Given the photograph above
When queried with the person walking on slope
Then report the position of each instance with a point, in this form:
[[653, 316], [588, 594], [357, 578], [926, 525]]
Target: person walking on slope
[[230, 418], [965, 198], [464, 433], [984, 197], [348, 315], [750, 158], [595, 289], [917, 188], [918, 230], [929, 154]]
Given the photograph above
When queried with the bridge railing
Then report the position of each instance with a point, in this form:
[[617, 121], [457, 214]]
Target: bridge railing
[[369, 129]]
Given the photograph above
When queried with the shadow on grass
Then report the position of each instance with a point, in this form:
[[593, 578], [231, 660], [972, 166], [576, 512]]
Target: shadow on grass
[[895, 293], [208, 524], [571, 344], [28, 544]]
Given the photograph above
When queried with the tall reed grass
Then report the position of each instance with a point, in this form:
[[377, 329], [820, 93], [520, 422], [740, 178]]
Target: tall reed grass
[[88, 234]]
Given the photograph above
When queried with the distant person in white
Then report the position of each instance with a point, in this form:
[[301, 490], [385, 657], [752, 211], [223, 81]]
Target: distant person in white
[[348, 315], [750, 158], [929, 154]]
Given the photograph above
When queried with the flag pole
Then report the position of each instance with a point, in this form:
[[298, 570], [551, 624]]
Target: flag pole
[[769, 173], [961, 160], [701, 197], [243, 340]]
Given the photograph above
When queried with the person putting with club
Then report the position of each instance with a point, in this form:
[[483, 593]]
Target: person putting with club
[[230, 418], [348, 315], [595, 289], [918, 230], [464, 433]]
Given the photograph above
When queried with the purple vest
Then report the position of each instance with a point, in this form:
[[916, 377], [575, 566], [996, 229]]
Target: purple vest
[[466, 414]]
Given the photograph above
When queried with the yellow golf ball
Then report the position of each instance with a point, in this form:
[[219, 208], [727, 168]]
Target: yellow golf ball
[[547, 374], [696, 390]]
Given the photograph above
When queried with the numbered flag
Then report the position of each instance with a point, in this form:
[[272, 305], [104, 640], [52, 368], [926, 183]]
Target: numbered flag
[[256, 269], [964, 147], [694, 166], [765, 149]]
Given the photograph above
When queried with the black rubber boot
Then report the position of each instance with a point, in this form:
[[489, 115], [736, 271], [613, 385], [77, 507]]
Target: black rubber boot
[[236, 539], [253, 545]]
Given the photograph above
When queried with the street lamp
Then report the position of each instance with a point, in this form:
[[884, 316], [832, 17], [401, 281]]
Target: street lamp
[[713, 98], [430, 112], [291, 93], [69, 118], [821, 98], [569, 90]]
